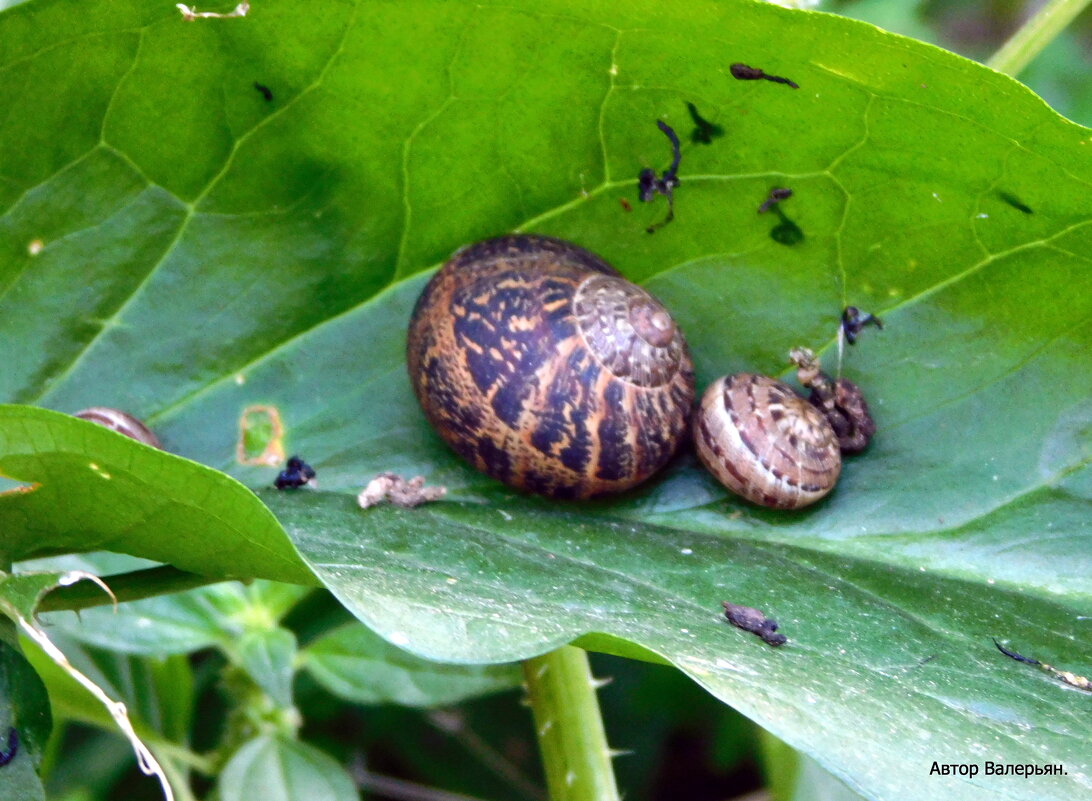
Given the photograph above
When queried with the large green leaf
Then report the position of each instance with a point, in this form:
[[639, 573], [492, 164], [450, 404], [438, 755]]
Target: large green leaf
[[203, 250], [90, 488]]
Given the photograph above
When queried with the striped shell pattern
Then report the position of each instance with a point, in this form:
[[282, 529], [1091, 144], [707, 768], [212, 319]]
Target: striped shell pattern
[[544, 368], [766, 443]]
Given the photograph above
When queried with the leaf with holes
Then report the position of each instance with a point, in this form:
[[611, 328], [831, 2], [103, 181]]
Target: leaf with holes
[[177, 243]]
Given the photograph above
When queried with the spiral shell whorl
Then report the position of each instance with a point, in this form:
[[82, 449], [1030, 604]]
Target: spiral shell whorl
[[764, 442], [628, 330], [516, 375]]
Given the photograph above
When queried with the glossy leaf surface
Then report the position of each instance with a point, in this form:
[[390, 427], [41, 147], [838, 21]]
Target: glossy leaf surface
[[267, 253]]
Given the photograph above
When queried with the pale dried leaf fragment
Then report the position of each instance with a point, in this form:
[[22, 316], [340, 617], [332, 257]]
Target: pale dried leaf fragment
[[392, 488], [146, 761], [190, 13]]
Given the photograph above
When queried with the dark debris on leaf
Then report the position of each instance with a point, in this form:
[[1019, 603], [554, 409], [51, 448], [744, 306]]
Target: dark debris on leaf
[[649, 185], [742, 72], [1072, 679], [854, 321], [750, 619], [777, 194]]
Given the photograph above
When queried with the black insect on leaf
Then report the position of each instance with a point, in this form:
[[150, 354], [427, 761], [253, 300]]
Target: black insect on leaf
[[649, 185], [742, 72], [267, 93], [295, 474], [704, 131]]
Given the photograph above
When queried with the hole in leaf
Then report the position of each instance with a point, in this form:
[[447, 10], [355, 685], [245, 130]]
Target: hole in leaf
[[261, 436]]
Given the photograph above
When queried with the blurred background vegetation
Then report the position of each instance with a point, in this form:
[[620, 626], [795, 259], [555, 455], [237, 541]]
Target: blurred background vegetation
[[977, 28], [678, 742]]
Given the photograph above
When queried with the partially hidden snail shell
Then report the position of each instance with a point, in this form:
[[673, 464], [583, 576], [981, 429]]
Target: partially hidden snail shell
[[121, 422], [766, 443], [544, 368]]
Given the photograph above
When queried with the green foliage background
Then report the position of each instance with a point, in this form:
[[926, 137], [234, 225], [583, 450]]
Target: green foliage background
[[203, 249]]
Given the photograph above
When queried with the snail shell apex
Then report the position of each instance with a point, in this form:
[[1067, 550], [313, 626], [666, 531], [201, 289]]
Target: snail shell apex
[[766, 443], [543, 367]]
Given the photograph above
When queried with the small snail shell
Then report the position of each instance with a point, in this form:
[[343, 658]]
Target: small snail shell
[[766, 443], [121, 422], [543, 367]]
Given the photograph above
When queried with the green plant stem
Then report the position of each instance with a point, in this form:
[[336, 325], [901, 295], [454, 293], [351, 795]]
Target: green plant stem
[[132, 586], [570, 731], [1034, 35]]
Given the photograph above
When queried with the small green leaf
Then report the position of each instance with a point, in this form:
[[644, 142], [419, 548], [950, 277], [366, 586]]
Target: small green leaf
[[356, 664], [274, 768], [96, 489], [269, 658]]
